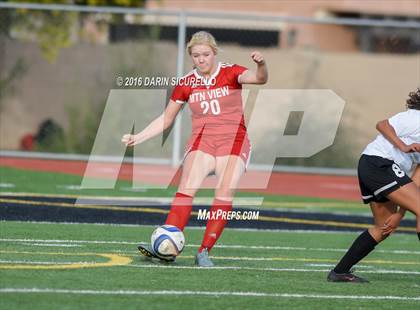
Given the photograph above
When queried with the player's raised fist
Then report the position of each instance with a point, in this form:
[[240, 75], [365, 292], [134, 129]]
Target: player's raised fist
[[257, 57], [126, 138], [130, 140]]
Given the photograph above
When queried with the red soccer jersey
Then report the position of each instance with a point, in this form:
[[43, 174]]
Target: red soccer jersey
[[217, 106]]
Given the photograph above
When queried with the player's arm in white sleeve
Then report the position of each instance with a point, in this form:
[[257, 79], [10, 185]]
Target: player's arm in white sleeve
[[390, 133], [260, 76], [156, 127]]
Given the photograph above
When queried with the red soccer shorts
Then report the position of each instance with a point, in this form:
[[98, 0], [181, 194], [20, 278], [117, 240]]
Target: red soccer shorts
[[221, 145]]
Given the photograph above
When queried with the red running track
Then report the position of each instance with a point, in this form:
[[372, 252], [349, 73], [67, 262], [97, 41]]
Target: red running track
[[293, 184]]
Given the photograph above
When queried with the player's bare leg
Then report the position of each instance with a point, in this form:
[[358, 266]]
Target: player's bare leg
[[416, 176], [197, 165], [408, 197], [363, 245], [381, 212], [229, 169], [416, 179]]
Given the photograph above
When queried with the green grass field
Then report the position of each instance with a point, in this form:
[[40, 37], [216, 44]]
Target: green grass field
[[75, 266], [92, 266]]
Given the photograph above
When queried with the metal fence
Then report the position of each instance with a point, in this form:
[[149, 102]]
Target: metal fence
[[58, 64]]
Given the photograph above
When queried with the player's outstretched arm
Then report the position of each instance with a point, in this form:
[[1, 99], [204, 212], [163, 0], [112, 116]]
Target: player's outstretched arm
[[156, 127], [261, 74], [385, 128]]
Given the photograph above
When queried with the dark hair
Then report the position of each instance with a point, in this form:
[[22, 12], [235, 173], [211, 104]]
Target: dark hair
[[413, 101]]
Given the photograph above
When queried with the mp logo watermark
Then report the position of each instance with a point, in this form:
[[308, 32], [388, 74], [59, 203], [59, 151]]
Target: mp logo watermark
[[280, 123]]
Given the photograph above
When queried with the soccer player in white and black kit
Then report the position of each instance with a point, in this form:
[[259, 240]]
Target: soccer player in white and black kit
[[384, 183]]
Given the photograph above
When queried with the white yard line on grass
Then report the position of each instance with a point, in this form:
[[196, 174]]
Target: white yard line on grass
[[291, 231], [133, 189], [67, 241], [243, 258], [41, 263], [7, 185], [226, 246], [205, 293], [379, 271], [333, 265], [70, 187], [55, 245]]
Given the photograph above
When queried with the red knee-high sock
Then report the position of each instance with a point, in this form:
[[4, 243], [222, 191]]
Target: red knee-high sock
[[180, 211], [216, 224]]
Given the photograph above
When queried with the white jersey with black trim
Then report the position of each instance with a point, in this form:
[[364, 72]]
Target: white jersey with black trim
[[407, 127]]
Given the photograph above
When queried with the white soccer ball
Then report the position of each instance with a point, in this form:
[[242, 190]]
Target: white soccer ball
[[168, 240]]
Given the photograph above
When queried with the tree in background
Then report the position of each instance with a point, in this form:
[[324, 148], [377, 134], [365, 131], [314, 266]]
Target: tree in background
[[53, 29], [126, 3]]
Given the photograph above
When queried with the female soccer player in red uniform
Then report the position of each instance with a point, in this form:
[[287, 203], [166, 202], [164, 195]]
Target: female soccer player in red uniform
[[219, 140]]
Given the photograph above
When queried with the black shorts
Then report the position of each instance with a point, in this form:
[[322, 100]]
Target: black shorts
[[379, 177]]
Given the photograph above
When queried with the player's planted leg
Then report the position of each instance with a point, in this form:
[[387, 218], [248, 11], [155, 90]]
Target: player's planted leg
[[202, 259], [345, 277], [214, 229], [228, 171], [360, 248], [363, 245]]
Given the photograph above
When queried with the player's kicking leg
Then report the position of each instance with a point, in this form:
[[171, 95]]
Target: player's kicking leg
[[197, 165]]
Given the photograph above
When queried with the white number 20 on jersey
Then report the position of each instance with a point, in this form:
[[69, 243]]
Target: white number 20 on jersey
[[214, 106]]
